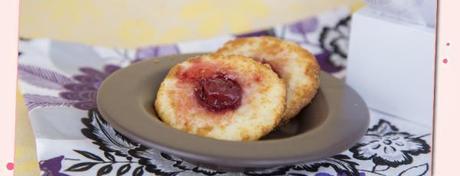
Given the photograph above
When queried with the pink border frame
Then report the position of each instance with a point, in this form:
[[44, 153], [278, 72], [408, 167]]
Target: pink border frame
[[8, 75], [447, 93]]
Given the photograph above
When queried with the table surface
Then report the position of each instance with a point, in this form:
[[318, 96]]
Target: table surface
[[144, 22]]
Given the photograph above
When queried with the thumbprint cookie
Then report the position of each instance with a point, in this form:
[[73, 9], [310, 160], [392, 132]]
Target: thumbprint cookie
[[296, 66], [222, 97]]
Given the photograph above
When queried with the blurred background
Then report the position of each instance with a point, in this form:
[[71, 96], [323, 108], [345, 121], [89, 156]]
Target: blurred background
[[134, 23]]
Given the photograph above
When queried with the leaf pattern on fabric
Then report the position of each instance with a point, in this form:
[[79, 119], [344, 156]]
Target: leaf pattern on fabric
[[155, 161], [42, 77], [89, 155], [110, 140], [282, 170], [123, 169], [340, 163], [79, 167], [102, 165], [33, 101], [84, 90], [105, 136], [105, 169], [419, 170]]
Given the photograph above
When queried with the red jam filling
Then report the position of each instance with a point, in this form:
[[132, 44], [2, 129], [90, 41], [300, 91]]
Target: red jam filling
[[218, 93]]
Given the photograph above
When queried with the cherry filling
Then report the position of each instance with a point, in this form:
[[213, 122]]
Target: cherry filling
[[218, 93]]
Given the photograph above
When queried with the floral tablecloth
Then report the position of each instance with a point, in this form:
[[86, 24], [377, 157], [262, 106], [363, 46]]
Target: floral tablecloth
[[59, 81]]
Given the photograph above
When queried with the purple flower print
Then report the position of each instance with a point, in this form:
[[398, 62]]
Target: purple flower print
[[155, 51], [42, 77], [304, 26], [324, 62], [84, 91], [34, 101], [52, 167]]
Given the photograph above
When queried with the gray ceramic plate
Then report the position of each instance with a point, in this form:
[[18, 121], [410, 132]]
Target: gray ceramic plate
[[335, 120]]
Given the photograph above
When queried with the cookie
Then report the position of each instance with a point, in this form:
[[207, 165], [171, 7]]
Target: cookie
[[222, 97], [294, 64]]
